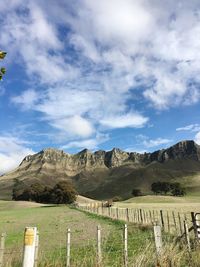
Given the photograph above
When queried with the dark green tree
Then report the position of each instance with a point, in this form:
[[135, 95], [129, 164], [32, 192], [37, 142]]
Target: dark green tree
[[177, 189], [156, 188], [63, 193], [136, 192]]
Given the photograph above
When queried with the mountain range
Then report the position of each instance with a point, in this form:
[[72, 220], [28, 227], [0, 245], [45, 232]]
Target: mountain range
[[104, 174]]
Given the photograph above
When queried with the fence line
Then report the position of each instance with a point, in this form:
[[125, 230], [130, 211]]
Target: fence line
[[170, 221]]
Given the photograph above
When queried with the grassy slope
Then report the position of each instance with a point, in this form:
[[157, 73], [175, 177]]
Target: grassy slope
[[181, 204], [52, 222], [106, 183]]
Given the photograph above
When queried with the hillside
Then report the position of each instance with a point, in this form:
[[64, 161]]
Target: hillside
[[105, 174]]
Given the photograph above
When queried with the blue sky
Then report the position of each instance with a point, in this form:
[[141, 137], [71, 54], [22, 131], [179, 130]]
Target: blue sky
[[97, 75]]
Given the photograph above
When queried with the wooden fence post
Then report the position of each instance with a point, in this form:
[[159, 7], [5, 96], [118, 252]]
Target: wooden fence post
[[168, 223], [117, 211], [127, 214], [109, 211], [68, 247], [125, 246], [29, 246], [187, 237], [162, 219], [150, 216], [2, 247], [141, 217], [174, 218], [158, 238], [99, 255], [180, 224], [36, 249]]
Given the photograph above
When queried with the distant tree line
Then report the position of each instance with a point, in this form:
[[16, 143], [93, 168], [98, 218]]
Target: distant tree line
[[175, 189], [62, 193]]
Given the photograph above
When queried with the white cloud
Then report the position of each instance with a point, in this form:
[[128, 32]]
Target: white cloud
[[34, 40], [91, 143], [28, 98], [192, 128], [150, 143], [75, 126], [132, 120], [12, 151], [112, 51], [197, 138], [156, 142]]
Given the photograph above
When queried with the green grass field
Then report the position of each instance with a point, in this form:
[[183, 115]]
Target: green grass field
[[53, 221]]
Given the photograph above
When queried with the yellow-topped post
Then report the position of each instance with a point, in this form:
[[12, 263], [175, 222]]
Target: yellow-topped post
[[30, 237]]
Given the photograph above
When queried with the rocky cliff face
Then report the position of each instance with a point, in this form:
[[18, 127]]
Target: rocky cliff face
[[58, 160], [105, 174]]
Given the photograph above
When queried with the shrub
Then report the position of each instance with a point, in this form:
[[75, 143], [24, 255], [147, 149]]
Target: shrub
[[62, 193], [165, 187], [136, 192]]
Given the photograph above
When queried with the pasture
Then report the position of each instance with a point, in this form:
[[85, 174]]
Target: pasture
[[53, 221]]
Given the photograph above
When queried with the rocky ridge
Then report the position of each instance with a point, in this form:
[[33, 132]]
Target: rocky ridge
[[73, 164]]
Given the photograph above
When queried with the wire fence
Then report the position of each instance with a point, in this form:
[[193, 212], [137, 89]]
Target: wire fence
[[148, 238], [171, 221]]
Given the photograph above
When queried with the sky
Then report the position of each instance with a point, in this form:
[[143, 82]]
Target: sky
[[97, 75]]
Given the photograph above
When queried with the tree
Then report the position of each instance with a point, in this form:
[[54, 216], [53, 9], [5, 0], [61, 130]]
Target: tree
[[165, 187], [177, 189], [63, 193], [2, 69], [136, 192], [156, 188]]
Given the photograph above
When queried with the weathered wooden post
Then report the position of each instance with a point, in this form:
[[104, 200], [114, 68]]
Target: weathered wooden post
[[2, 247], [99, 255], [125, 245], [158, 241], [141, 217], [68, 247], [168, 222], [30, 236], [162, 219], [36, 250], [117, 213], [180, 224], [174, 218], [154, 216], [109, 211], [127, 214], [150, 215], [187, 237]]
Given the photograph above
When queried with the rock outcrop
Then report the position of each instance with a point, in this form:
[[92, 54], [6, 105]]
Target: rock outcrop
[[89, 171], [72, 164]]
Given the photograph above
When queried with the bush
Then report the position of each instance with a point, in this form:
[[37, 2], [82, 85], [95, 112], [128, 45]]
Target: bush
[[62, 193], [165, 187], [136, 192]]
